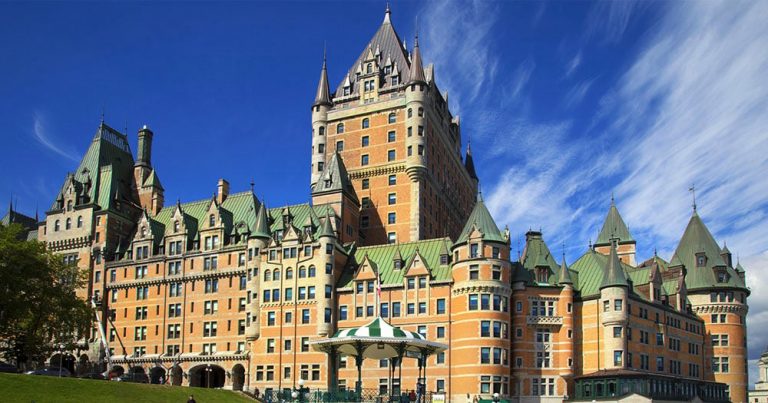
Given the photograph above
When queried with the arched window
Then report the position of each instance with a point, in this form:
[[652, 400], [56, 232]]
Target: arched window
[[276, 274], [212, 220], [79, 221], [302, 272], [143, 232], [410, 112], [321, 131], [176, 226], [69, 223], [288, 273], [69, 205], [312, 271], [366, 123], [56, 226], [340, 128], [369, 68], [392, 117], [421, 111], [267, 275]]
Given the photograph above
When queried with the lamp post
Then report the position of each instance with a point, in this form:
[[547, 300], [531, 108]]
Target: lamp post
[[208, 371], [61, 357], [496, 397], [301, 389]]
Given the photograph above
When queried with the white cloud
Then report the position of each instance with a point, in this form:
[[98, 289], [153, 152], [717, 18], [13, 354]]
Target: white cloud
[[40, 134], [576, 94], [456, 39], [609, 19], [573, 64]]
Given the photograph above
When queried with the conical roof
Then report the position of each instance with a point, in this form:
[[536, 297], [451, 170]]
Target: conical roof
[[613, 227], [261, 229], [565, 275], [153, 180], [481, 219], [417, 67], [323, 96], [327, 229], [698, 240], [469, 163], [613, 273]]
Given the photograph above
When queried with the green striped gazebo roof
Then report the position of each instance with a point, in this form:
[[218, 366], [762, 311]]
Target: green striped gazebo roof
[[377, 340]]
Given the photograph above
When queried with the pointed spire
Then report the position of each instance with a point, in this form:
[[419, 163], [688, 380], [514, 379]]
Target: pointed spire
[[481, 219], [613, 227], [565, 275], [613, 273], [262, 224], [692, 189], [469, 164], [417, 67], [387, 14], [327, 229], [323, 96]]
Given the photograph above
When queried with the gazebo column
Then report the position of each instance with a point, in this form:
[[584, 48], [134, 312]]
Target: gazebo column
[[425, 355], [333, 368], [359, 362], [400, 354]]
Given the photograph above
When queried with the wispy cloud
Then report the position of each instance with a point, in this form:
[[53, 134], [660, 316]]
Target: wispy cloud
[[609, 20], [457, 40], [40, 134], [577, 93], [573, 64]]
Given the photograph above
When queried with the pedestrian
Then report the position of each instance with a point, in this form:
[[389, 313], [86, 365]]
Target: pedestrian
[[191, 399]]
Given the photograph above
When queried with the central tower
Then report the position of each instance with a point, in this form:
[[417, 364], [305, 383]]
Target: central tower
[[394, 131]]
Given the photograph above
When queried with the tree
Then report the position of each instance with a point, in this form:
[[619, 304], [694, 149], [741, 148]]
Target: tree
[[38, 306]]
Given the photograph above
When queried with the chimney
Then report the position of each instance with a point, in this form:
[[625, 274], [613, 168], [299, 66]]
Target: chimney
[[144, 156], [223, 191]]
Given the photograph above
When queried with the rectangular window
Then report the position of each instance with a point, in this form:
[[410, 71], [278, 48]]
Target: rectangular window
[[440, 306], [392, 198], [395, 309], [391, 218], [472, 302], [365, 141], [364, 159], [392, 180], [617, 357], [617, 305], [340, 145], [390, 155]]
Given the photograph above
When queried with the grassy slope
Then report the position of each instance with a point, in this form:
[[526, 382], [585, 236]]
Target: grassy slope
[[43, 389]]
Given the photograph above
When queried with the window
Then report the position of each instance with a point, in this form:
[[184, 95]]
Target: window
[[617, 305], [422, 308], [364, 159], [720, 365], [366, 123], [440, 306], [472, 302], [69, 224], [411, 308], [496, 273], [617, 357], [366, 183], [543, 359], [391, 137], [474, 272], [391, 237], [617, 331], [211, 285], [395, 309], [305, 316], [440, 332], [485, 355], [392, 198], [340, 128], [473, 250], [392, 118], [211, 220], [79, 221], [56, 226], [391, 155], [660, 364], [411, 283], [210, 329]]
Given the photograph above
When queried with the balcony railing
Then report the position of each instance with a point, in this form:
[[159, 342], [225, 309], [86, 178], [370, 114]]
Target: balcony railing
[[544, 320]]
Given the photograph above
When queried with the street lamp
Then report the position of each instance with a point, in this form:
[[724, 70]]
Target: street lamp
[[61, 357], [496, 397], [208, 371], [300, 392]]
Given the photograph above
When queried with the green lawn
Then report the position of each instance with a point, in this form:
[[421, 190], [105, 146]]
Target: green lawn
[[43, 389]]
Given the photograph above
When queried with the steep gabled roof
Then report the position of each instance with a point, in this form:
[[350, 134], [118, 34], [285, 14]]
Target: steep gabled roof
[[537, 255], [335, 178], [389, 46], [564, 275], [153, 180], [698, 240], [614, 227], [323, 95], [469, 164], [261, 229], [326, 230], [481, 219]]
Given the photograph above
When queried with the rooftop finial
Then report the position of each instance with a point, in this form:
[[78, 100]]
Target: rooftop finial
[[416, 38], [387, 13], [325, 48], [692, 189], [252, 184], [612, 199]]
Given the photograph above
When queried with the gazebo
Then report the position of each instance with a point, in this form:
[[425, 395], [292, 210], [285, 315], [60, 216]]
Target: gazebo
[[377, 340]]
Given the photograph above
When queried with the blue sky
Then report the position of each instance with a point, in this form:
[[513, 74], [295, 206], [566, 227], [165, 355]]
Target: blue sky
[[564, 102]]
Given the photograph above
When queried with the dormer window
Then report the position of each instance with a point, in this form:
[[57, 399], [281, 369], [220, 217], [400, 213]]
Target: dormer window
[[369, 68], [387, 69], [542, 275], [722, 276], [347, 90], [69, 203], [211, 220], [701, 260], [443, 259], [395, 80], [143, 232], [176, 226], [398, 264]]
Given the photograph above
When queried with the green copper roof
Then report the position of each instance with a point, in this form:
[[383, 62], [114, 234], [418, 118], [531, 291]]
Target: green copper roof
[[481, 219], [326, 230], [108, 148], [237, 208], [383, 257], [536, 255], [335, 178], [564, 275], [590, 270], [613, 273], [698, 240], [613, 227], [261, 229], [299, 213]]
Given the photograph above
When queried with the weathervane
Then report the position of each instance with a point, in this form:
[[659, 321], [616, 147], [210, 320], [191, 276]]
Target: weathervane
[[692, 189]]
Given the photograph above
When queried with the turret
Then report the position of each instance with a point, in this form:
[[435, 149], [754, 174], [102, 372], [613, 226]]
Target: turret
[[146, 182], [469, 165], [257, 244], [614, 317], [415, 95], [320, 108], [327, 239], [334, 189]]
